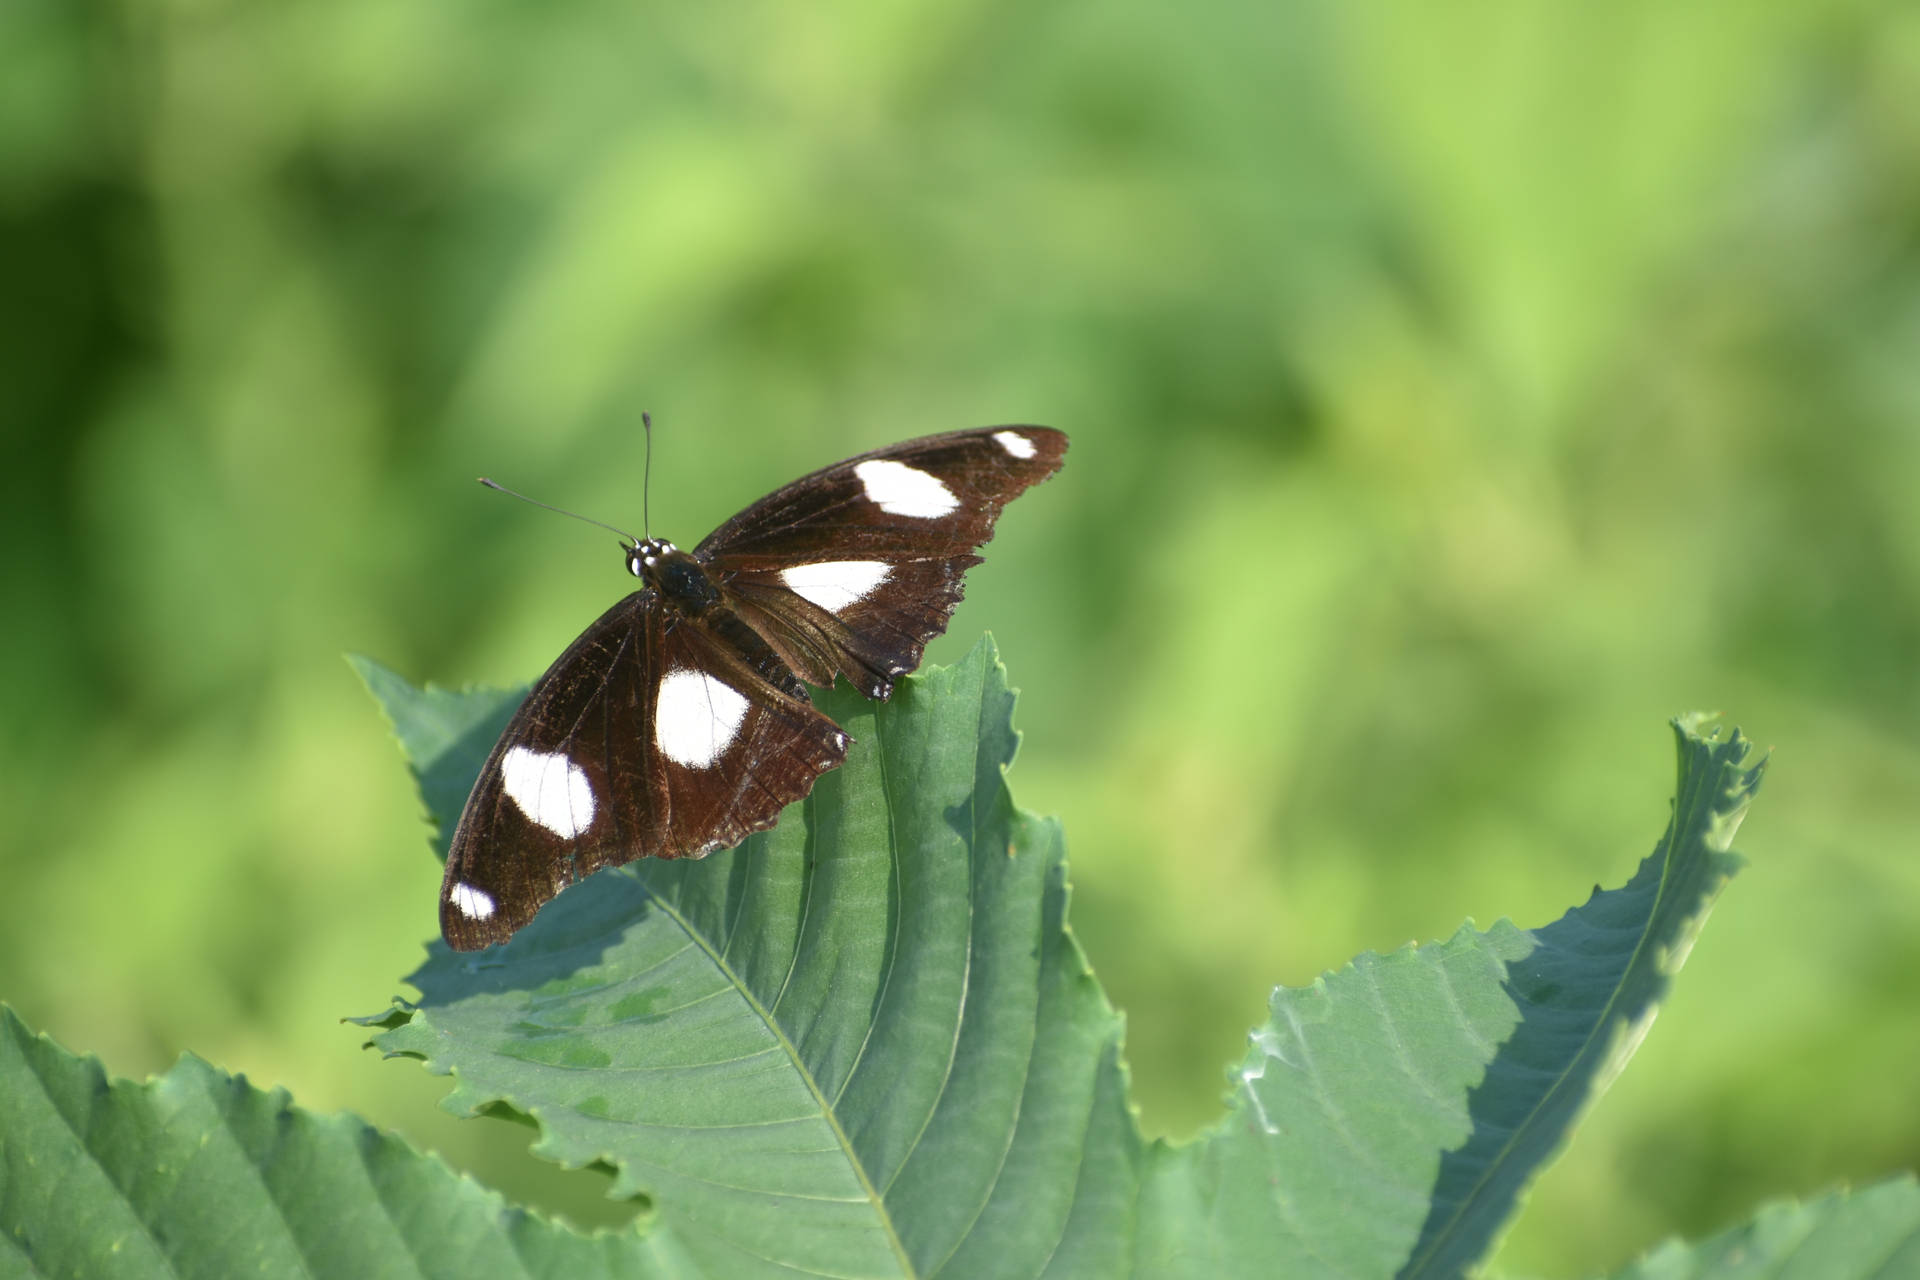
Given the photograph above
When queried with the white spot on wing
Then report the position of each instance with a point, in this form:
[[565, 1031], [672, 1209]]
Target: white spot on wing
[[549, 788], [1015, 443], [474, 904], [836, 584], [696, 717], [900, 490]]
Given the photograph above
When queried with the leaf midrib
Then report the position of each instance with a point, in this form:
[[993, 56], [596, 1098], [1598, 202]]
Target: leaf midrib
[[813, 1086]]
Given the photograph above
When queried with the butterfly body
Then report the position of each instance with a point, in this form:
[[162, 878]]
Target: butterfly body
[[679, 722]]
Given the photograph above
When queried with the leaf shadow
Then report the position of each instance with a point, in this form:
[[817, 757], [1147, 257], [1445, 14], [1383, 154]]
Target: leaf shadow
[[553, 954]]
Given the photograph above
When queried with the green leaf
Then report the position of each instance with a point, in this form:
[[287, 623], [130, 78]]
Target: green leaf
[[445, 736], [1872, 1234], [1392, 1113], [865, 1043], [197, 1173]]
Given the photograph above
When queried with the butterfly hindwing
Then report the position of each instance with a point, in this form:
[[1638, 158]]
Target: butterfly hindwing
[[730, 749]]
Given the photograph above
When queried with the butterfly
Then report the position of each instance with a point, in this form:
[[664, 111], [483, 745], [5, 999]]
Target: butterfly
[[679, 722]]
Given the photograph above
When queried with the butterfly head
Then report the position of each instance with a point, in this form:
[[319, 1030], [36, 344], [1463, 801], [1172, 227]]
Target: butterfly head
[[645, 556], [677, 576]]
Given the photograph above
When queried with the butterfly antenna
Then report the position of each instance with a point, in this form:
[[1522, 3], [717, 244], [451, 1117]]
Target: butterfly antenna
[[646, 478], [562, 510]]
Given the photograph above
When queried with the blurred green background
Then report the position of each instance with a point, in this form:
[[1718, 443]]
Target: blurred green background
[[1456, 391]]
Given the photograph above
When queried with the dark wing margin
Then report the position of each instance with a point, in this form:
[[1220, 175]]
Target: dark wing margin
[[579, 779], [853, 569]]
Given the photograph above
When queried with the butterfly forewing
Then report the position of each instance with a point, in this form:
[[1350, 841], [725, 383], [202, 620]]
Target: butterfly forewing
[[678, 722], [938, 495], [538, 817], [853, 569], [649, 738]]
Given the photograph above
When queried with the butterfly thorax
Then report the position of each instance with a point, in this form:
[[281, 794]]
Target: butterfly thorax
[[677, 576]]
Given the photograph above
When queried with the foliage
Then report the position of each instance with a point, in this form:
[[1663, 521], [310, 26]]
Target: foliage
[[1455, 391], [887, 986], [873, 1018], [865, 1043], [198, 1174]]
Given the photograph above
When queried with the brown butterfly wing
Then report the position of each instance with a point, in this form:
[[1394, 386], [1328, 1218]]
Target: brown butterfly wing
[[854, 569], [649, 737]]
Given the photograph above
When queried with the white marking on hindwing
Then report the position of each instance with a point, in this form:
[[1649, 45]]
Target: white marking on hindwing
[[696, 717], [836, 584], [1015, 443], [549, 788], [474, 904], [900, 490]]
